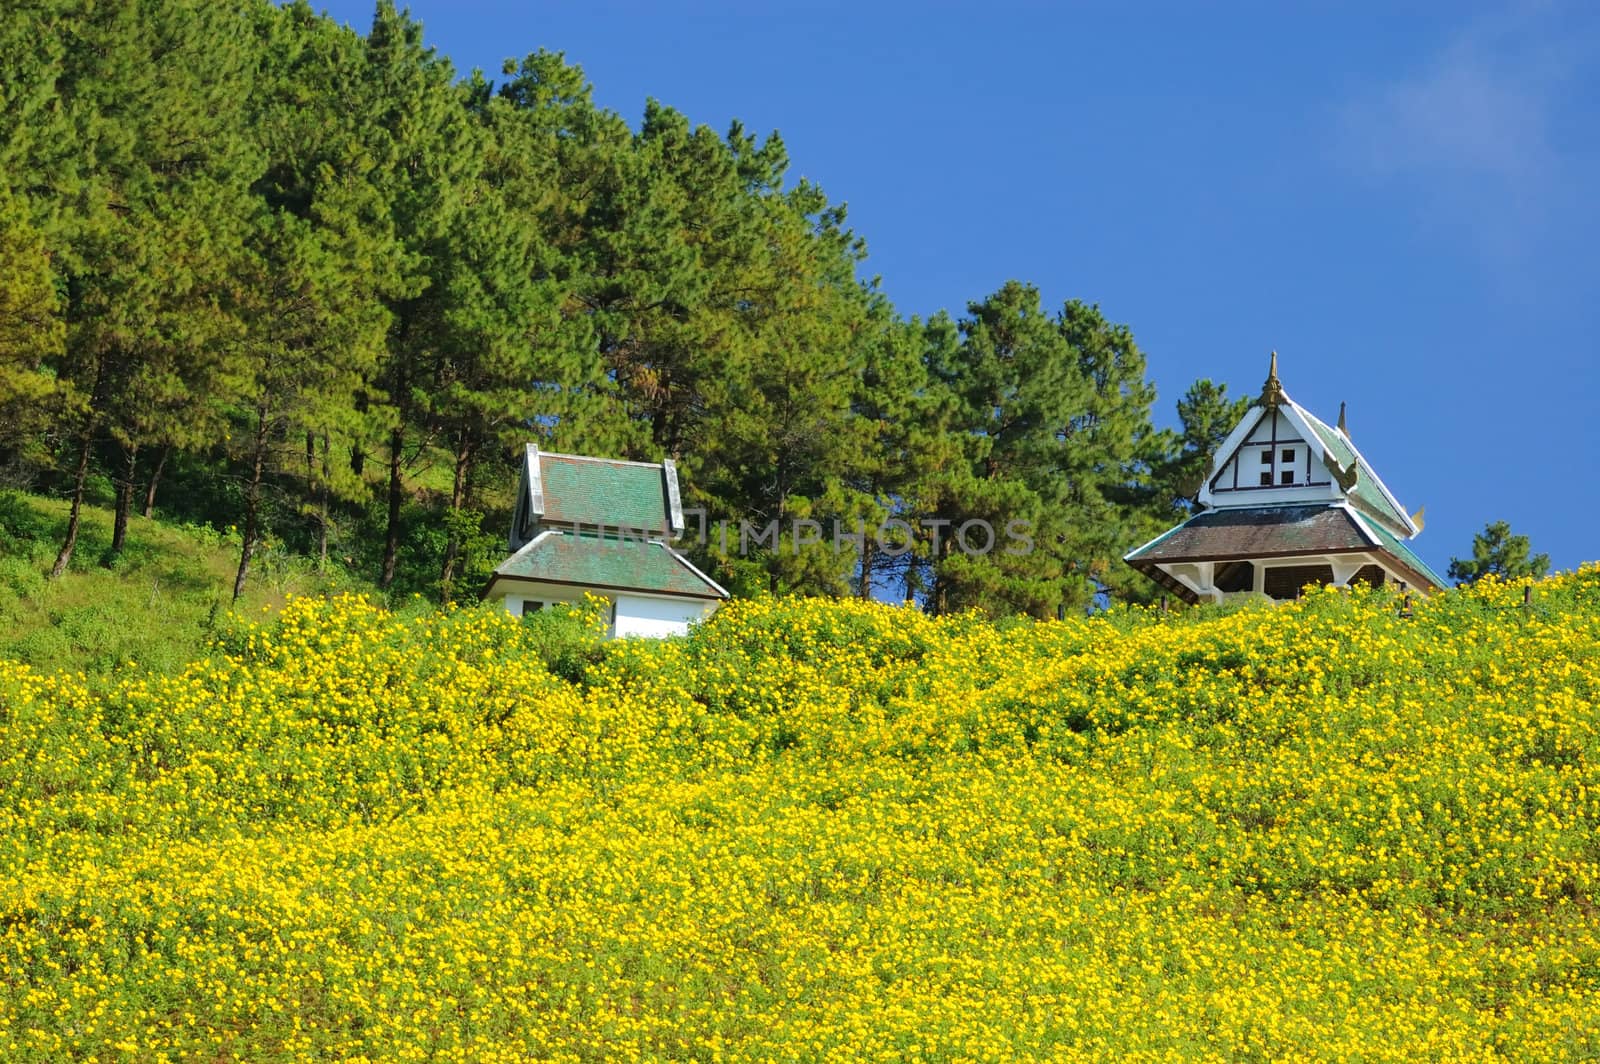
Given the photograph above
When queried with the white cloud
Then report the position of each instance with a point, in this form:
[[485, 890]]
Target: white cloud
[[1472, 132]]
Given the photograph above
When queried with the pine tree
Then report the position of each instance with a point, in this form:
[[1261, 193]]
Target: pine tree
[[312, 337], [31, 337], [1206, 415], [151, 100], [1109, 453], [416, 126], [316, 258], [903, 441], [1015, 386], [515, 359], [1496, 551], [1053, 415], [785, 431]]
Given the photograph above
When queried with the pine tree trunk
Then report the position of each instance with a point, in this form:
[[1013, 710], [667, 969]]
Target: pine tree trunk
[[252, 506], [317, 493], [868, 557], [79, 479], [458, 491], [322, 513], [81, 476], [391, 540], [155, 478], [119, 527]]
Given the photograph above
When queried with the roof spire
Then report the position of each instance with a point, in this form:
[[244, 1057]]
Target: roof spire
[[1342, 427], [1272, 391]]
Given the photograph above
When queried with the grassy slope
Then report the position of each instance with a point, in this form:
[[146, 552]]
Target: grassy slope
[[820, 831], [156, 605]]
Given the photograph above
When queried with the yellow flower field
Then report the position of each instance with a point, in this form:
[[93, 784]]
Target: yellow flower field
[[819, 831]]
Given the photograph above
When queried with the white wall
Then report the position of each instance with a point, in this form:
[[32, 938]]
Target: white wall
[[1249, 466], [642, 615], [521, 593], [645, 615]]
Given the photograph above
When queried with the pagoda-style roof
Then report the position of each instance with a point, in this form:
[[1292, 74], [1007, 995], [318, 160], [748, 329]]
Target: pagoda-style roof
[[606, 562], [1405, 555], [1280, 532], [1257, 532], [574, 492], [591, 492], [1294, 498], [601, 524], [1328, 465]]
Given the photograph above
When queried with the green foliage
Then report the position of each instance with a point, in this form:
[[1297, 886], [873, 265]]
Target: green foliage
[[568, 638], [31, 336], [1497, 552], [1054, 416], [1206, 415], [327, 290]]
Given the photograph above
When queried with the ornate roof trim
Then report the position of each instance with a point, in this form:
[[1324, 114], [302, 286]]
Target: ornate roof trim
[[1317, 434], [1362, 467]]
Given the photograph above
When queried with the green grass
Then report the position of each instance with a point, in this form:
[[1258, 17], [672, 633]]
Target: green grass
[[154, 605]]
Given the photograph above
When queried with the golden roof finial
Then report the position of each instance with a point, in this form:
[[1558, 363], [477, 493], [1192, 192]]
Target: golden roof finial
[[1342, 426], [1272, 391]]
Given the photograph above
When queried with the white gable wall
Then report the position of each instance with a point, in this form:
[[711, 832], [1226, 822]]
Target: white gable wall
[[1273, 456], [1272, 446], [653, 616]]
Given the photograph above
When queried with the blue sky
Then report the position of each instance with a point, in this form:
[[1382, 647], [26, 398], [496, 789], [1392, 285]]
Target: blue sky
[[1399, 198]]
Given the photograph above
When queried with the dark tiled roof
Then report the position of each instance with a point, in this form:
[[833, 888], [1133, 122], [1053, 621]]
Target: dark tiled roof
[[606, 562], [1255, 532], [595, 491]]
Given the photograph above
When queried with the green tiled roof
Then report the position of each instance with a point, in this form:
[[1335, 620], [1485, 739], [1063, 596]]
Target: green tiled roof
[[590, 492], [1400, 549], [606, 562], [1366, 494]]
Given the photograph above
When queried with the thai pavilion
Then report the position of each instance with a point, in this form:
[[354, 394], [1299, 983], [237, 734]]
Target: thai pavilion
[[602, 526], [1289, 501]]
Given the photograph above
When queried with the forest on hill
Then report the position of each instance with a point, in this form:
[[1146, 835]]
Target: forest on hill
[[262, 272]]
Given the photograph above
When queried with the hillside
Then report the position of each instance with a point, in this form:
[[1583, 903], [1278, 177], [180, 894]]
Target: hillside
[[156, 605], [817, 831]]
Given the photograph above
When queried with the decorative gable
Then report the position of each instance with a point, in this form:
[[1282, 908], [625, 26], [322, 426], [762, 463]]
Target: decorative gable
[[1282, 454], [1288, 501], [1273, 461]]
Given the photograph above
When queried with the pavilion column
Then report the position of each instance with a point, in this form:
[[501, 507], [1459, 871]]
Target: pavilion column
[[1345, 568]]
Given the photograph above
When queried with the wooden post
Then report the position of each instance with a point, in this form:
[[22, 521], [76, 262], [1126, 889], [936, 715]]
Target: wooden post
[[1163, 604], [1527, 596], [1405, 600]]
